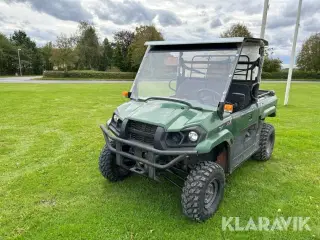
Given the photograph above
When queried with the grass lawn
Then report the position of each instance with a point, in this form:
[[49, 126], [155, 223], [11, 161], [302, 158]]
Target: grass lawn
[[50, 186], [104, 79], [80, 79]]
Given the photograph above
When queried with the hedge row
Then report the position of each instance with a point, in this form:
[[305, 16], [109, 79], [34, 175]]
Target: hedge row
[[89, 74], [131, 75], [295, 75]]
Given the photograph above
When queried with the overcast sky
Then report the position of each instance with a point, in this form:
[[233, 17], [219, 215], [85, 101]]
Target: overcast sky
[[176, 19]]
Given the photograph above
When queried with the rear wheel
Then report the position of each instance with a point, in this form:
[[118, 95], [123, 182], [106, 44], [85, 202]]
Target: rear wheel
[[108, 167], [266, 143], [203, 191]]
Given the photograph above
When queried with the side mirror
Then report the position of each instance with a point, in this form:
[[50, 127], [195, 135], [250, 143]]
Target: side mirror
[[220, 110]]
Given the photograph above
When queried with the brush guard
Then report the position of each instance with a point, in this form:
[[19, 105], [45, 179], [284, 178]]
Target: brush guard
[[145, 156]]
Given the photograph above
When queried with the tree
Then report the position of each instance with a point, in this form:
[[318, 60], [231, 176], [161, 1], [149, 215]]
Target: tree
[[106, 52], [20, 38], [118, 58], [46, 52], [31, 58], [309, 57], [123, 40], [271, 64], [137, 48], [37, 62], [64, 53], [88, 47], [8, 56], [237, 30]]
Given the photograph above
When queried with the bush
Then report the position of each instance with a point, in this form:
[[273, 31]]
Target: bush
[[89, 74], [113, 69], [297, 74]]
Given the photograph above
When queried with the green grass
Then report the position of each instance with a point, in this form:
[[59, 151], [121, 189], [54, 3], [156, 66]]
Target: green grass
[[104, 79], [293, 80], [51, 188], [81, 79]]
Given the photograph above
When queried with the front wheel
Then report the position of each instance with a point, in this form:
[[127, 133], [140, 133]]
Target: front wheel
[[203, 191], [108, 166]]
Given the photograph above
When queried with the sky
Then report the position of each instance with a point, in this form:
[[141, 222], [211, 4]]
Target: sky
[[187, 20]]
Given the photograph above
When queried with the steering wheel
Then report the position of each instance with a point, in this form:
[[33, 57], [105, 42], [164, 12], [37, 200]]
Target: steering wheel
[[203, 97], [171, 80]]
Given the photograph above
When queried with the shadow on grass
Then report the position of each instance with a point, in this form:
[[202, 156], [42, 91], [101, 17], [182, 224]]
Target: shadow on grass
[[142, 191]]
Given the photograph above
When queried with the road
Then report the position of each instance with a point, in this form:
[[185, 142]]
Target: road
[[29, 80]]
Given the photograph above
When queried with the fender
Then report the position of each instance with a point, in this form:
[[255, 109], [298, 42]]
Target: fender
[[207, 145], [271, 111]]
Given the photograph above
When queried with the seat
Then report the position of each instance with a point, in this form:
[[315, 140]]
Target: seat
[[239, 88]]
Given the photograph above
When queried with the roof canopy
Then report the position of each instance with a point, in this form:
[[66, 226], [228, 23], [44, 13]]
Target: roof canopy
[[212, 41]]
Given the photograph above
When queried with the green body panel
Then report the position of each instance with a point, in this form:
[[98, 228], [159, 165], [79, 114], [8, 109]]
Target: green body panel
[[268, 112], [219, 137], [267, 106], [174, 117]]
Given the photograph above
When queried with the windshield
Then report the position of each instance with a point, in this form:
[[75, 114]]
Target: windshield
[[199, 77]]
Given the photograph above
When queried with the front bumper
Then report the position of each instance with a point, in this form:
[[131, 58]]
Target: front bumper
[[152, 154]]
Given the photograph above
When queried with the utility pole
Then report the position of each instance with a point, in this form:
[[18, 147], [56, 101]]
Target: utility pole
[[264, 18], [293, 52], [264, 21], [19, 61]]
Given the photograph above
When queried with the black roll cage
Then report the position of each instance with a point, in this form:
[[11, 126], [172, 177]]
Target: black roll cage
[[250, 65]]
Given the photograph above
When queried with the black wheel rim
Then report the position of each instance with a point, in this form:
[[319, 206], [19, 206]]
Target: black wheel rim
[[211, 193]]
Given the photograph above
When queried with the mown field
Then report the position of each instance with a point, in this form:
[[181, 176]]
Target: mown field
[[50, 186]]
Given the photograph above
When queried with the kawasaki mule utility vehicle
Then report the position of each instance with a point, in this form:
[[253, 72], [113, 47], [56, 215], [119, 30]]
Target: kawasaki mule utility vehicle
[[195, 114]]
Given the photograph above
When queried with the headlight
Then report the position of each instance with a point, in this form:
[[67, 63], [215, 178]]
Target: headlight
[[174, 138], [115, 124], [188, 137], [193, 136], [115, 118]]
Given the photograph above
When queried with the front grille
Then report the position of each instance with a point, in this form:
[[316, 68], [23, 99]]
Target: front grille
[[141, 132]]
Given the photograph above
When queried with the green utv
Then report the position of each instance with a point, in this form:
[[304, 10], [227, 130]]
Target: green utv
[[195, 114]]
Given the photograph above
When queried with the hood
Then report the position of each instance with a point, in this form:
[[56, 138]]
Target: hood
[[172, 116]]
